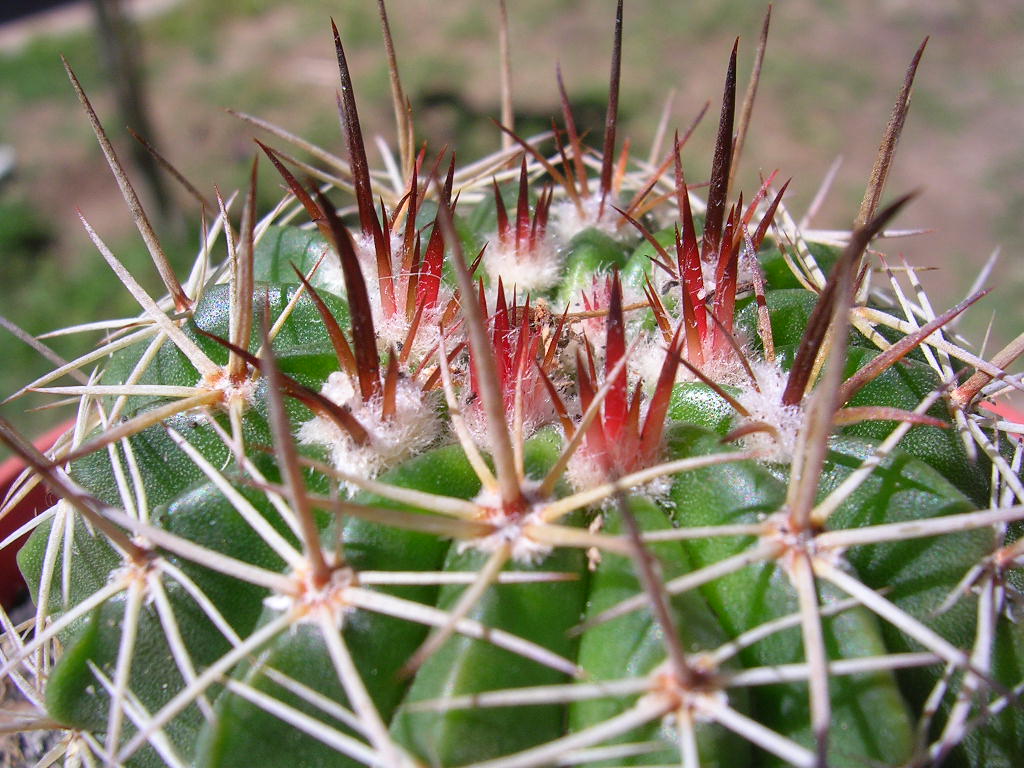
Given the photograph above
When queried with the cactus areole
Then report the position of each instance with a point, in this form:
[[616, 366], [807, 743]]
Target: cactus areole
[[545, 460]]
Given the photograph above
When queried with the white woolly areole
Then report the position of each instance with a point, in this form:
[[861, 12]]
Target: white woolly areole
[[537, 411], [330, 598], [413, 427], [766, 406], [595, 329], [724, 368], [529, 271], [567, 221], [332, 277], [647, 359], [244, 390], [536, 406], [391, 331], [744, 273], [585, 472], [699, 703], [509, 529]]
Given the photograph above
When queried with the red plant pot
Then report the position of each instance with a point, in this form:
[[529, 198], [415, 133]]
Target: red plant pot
[[1007, 412], [12, 586]]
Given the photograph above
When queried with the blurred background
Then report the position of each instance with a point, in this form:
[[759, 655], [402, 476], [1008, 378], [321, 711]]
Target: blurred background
[[832, 72]]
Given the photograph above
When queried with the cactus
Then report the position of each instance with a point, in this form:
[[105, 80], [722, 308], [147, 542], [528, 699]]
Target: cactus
[[543, 460]]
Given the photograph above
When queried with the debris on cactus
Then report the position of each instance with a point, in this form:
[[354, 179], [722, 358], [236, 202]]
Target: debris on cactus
[[544, 460]]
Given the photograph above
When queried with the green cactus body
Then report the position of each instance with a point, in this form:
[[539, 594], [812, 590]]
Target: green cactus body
[[624, 495]]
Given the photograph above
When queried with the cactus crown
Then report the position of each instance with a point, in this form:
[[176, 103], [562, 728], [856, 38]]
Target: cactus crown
[[544, 460]]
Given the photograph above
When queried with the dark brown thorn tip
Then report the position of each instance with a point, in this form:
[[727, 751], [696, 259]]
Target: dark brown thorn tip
[[177, 175], [887, 149], [820, 318], [574, 136], [523, 208], [719, 189], [612, 116], [354, 138], [313, 210], [242, 280], [658, 308], [364, 338], [747, 109]]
